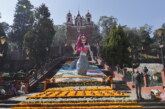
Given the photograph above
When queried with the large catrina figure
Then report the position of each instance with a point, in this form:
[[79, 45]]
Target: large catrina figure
[[82, 47]]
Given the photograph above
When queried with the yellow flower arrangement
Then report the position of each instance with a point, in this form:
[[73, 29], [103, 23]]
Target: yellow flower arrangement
[[79, 103], [79, 94], [70, 92], [62, 94], [82, 107], [54, 94]]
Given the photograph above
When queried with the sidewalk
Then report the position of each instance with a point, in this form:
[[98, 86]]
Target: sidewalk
[[144, 95], [10, 102]]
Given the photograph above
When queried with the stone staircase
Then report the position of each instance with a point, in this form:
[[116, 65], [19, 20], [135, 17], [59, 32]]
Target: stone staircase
[[120, 85], [11, 102], [148, 104], [6, 104]]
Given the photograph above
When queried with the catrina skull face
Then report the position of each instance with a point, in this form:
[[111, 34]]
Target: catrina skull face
[[83, 39]]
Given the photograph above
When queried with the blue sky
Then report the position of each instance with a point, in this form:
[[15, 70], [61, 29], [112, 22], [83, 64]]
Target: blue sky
[[133, 13]]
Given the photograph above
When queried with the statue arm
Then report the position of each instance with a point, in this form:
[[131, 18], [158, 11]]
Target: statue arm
[[91, 54]]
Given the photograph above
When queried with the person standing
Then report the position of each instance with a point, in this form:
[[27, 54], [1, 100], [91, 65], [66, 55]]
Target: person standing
[[137, 82], [14, 90]]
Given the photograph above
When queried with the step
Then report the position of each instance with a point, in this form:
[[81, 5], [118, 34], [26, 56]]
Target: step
[[152, 103], [86, 107], [154, 107], [78, 104], [40, 87], [119, 82], [8, 102], [3, 105]]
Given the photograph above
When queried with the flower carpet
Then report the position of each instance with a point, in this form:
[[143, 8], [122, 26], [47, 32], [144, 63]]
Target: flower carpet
[[92, 93], [79, 92]]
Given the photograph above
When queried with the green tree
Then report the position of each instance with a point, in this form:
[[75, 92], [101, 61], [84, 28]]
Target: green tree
[[22, 22], [144, 33], [139, 38], [3, 47], [157, 39], [2, 32], [106, 23], [39, 39], [133, 36], [115, 49], [59, 38], [6, 27], [95, 38]]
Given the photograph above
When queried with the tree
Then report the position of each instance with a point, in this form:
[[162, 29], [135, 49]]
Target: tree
[[115, 49], [106, 23], [3, 47], [95, 38], [6, 27], [144, 33], [156, 38], [39, 38], [133, 36], [139, 38], [2, 32], [59, 38], [22, 22]]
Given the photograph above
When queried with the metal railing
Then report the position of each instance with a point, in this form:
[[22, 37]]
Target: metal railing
[[155, 80]]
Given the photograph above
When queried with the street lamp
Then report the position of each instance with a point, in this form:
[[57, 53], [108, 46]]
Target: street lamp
[[145, 70], [27, 51], [3, 40], [47, 49], [160, 33], [130, 50], [47, 52]]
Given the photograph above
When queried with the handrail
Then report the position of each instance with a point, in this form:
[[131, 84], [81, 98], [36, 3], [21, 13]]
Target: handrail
[[33, 80]]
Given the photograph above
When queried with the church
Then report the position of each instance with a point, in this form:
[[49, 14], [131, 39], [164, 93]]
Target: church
[[78, 25]]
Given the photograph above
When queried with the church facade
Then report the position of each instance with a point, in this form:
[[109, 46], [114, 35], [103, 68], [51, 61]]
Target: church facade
[[78, 25]]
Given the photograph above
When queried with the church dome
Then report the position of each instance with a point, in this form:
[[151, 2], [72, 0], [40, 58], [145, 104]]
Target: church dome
[[88, 14], [69, 14]]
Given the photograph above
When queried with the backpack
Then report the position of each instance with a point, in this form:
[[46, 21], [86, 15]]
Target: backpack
[[138, 77]]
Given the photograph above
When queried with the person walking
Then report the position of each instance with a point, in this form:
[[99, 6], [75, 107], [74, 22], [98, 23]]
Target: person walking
[[137, 82]]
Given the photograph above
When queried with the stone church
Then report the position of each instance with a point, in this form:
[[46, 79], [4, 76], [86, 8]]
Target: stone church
[[78, 25]]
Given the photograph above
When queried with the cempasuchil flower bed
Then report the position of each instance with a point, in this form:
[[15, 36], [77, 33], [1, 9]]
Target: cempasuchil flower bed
[[78, 92], [82, 107]]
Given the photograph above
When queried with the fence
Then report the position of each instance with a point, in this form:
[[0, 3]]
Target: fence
[[155, 79], [152, 80]]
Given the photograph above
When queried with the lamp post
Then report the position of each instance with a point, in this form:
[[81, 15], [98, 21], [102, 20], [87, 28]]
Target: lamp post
[[145, 70], [27, 51], [146, 76], [160, 33], [3, 40], [47, 53], [130, 50]]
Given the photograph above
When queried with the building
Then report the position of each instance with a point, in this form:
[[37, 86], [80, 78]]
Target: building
[[78, 25]]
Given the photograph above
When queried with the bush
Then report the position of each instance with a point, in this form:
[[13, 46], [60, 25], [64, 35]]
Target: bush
[[5, 75]]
